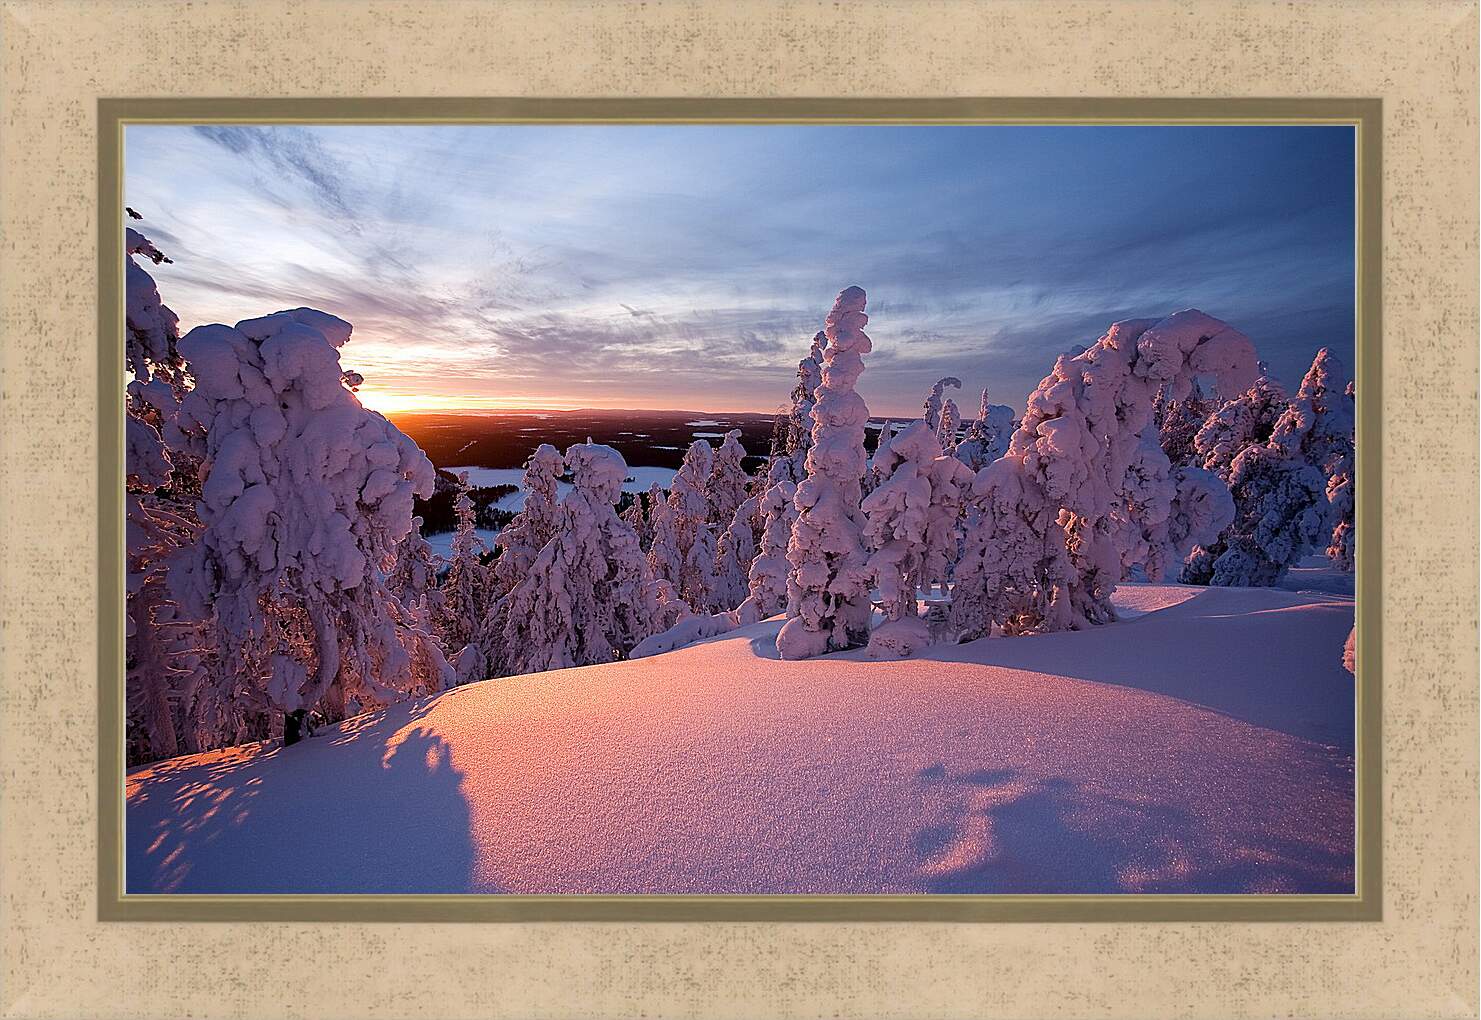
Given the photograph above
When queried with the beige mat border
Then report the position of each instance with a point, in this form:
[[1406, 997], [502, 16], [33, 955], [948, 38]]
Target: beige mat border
[[60, 58]]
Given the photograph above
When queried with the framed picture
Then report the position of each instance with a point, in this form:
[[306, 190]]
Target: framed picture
[[818, 642], [701, 509]]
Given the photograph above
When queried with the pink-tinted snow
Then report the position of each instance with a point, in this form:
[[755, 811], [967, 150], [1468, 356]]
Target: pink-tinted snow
[[1205, 746]]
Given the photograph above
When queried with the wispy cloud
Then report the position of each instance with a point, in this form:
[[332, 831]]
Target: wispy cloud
[[691, 266]]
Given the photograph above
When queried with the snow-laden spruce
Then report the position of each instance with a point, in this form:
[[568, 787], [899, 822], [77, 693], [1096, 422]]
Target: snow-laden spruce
[[305, 498], [1318, 428], [683, 550], [987, 436], [799, 419], [912, 531], [519, 542], [1280, 515], [587, 598], [951, 423], [828, 604], [467, 591], [1243, 420], [769, 570], [1179, 422], [177, 698], [1044, 546]]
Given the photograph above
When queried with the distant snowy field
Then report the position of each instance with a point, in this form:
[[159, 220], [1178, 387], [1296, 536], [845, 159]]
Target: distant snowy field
[[1202, 744]]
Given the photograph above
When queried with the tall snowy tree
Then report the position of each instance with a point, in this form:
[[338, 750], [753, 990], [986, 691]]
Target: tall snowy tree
[[305, 498], [828, 603], [951, 423], [911, 530], [521, 540], [683, 550], [467, 591], [587, 598], [1318, 428], [1044, 551]]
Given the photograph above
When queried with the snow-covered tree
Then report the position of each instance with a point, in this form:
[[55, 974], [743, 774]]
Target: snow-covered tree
[[638, 515], [1178, 423], [683, 550], [935, 400], [769, 569], [1280, 513], [987, 437], [728, 484], [467, 591], [735, 552], [799, 420], [951, 423], [895, 518], [828, 604], [912, 529], [1247, 419], [1044, 547], [587, 598], [178, 698], [1163, 509], [305, 497], [519, 542], [1341, 505], [1318, 428], [413, 574]]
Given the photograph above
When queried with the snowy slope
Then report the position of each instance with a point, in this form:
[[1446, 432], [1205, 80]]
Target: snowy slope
[[1205, 745]]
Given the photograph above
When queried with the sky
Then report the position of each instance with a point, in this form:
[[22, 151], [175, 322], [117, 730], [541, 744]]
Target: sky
[[689, 266]]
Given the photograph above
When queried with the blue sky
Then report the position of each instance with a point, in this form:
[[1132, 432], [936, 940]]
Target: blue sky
[[688, 266]]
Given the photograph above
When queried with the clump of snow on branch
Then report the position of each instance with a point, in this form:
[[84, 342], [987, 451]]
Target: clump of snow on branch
[[828, 603]]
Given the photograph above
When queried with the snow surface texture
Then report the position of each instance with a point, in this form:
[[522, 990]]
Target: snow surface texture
[[1144, 756]]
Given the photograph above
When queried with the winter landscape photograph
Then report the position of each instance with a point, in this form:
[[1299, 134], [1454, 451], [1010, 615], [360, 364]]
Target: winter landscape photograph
[[739, 509]]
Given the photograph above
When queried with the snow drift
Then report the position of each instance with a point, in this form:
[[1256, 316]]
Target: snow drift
[[1143, 756]]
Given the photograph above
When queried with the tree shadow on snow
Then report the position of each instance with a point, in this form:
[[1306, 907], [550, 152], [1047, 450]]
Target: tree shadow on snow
[[1009, 834], [1226, 650], [373, 806]]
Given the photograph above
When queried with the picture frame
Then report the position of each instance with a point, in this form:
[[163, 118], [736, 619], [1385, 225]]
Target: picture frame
[[1364, 903], [1411, 945]]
